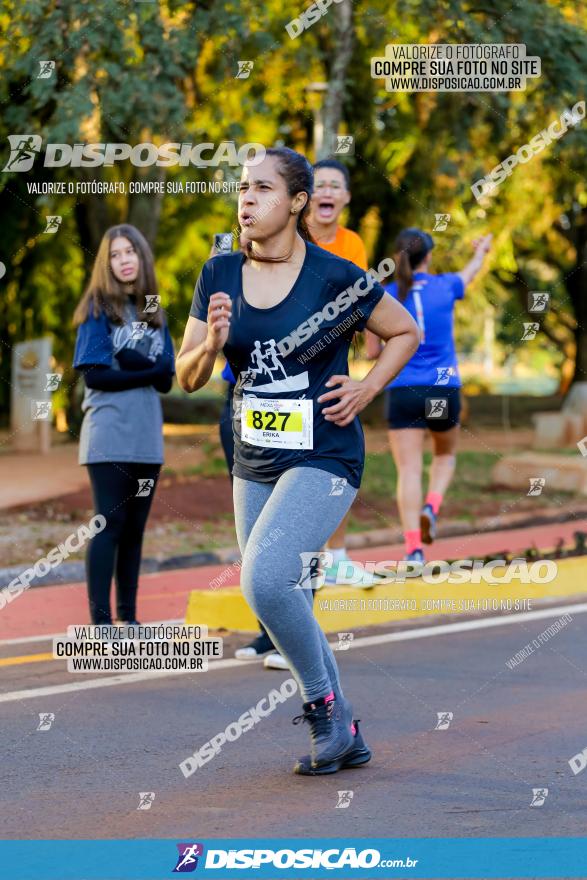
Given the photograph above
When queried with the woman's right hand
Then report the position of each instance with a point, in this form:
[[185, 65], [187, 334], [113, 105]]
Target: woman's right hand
[[219, 315], [483, 245]]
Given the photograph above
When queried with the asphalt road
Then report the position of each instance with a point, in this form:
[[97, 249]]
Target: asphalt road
[[512, 730]]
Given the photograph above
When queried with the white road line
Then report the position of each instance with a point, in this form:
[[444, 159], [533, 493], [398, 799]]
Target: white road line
[[445, 628], [367, 641], [28, 640]]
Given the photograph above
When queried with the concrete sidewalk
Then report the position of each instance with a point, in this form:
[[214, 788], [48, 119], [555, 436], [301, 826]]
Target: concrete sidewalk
[[29, 477]]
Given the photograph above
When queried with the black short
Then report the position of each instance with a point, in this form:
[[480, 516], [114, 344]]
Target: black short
[[424, 406]]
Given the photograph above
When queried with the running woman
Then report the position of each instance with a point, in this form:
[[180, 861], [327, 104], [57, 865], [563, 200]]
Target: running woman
[[426, 393], [296, 438], [125, 352], [332, 194]]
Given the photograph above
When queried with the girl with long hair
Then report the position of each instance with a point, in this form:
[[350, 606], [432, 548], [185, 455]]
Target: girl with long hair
[[125, 352], [426, 392], [299, 446]]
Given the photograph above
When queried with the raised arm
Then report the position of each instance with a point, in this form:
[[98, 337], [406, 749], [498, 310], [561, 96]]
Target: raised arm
[[482, 246], [202, 342]]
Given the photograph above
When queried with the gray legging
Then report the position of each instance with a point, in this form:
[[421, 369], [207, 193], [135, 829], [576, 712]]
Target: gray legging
[[275, 524]]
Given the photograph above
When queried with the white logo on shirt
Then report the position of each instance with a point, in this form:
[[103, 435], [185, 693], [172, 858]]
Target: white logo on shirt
[[418, 286], [126, 336], [266, 362]]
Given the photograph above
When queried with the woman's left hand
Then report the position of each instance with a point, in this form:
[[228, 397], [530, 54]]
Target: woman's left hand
[[351, 397]]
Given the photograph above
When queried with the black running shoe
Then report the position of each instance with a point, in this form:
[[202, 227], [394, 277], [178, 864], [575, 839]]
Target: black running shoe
[[359, 754], [255, 649], [330, 731]]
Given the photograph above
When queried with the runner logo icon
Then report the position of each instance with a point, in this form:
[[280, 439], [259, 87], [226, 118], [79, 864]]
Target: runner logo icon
[[444, 374], [344, 641], [146, 799], [530, 331], [145, 486], [441, 222], [41, 410], [187, 859], [152, 301], [46, 69], [436, 408], [338, 484], [46, 719], [313, 575], [444, 719], [244, 69], [538, 301], [53, 380], [537, 484], [539, 795], [23, 151], [53, 223], [344, 799], [345, 144], [138, 329]]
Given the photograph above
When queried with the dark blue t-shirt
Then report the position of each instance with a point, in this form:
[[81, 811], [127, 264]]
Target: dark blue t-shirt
[[282, 358], [431, 303]]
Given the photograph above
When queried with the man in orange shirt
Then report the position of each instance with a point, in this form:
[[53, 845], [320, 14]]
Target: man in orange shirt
[[332, 193]]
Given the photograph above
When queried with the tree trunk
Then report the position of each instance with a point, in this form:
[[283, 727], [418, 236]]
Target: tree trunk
[[576, 284], [342, 27], [144, 209]]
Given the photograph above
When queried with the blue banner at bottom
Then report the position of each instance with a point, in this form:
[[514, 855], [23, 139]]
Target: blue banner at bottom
[[369, 858]]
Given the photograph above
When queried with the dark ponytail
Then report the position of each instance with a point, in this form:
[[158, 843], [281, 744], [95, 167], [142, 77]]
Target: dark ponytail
[[299, 177], [303, 228], [411, 247], [403, 274]]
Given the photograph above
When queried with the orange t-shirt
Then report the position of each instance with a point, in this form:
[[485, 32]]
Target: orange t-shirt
[[347, 245]]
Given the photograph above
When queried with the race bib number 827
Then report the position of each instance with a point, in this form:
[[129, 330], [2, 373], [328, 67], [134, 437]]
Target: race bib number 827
[[280, 424]]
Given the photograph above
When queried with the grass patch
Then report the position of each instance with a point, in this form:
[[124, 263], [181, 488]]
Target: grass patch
[[471, 495], [473, 474]]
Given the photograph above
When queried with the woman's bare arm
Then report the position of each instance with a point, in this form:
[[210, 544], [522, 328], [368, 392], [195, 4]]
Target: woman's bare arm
[[481, 246], [202, 342]]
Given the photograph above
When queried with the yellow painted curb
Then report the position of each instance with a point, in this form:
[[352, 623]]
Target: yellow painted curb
[[344, 608]]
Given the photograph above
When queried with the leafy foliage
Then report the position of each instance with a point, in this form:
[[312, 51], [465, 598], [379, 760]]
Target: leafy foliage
[[138, 71]]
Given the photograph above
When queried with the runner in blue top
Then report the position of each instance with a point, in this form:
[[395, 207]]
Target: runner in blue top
[[284, 312], [425, 393]]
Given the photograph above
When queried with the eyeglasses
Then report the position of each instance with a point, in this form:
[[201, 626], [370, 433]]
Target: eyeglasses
[[322, 185]]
